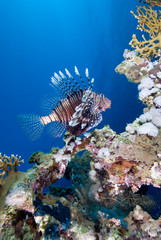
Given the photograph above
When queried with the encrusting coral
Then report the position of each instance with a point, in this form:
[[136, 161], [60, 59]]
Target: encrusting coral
[[149, 21], [141, 221]]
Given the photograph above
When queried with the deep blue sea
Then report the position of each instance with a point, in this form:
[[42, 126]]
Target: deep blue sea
[[38, 38]]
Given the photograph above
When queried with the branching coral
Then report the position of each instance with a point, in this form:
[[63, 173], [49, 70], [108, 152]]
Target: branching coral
[[8, 164], [151, 2], [150, 22]]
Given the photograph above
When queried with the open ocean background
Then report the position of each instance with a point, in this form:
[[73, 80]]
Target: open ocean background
[[39, 38]]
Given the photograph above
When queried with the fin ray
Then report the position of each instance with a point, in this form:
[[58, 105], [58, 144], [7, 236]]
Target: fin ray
[[56, 129], [48, 104], [31, 125], [66, 84]]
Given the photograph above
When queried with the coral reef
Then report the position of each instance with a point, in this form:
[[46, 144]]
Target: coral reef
[[108, 197], [104, 181], [149, 21]]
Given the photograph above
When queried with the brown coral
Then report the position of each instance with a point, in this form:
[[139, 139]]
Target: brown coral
[[8, 164], [149, 21]]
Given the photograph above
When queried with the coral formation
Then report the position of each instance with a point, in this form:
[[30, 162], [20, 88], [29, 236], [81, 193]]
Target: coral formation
[[152, 2], [20, 197], [49, 169], [149, 92], [149, 21], [141, 221], [135, 67], [8, 164], [8, 175]]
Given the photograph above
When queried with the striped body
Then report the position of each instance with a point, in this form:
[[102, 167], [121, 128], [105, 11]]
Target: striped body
[[64, 111]]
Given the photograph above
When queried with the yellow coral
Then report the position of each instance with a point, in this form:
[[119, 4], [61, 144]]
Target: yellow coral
[[8, 164], [152, 2], [150, 22]]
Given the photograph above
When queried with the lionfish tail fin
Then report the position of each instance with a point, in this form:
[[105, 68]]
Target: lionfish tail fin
[[31, 125]]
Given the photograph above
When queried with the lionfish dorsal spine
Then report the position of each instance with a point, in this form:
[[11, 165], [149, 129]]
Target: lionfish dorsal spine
[[75, 85], [66, 85], [57, 87], [89, 80], [92, 82], [58, 84], [62, 75], [61, 82], [82, 81], [57, 77], [76, 71], [68, 73]]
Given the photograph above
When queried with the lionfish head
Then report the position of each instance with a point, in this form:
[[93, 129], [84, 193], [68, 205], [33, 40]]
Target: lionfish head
[[104, 103]]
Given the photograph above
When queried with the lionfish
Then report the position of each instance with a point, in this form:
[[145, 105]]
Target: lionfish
[[76, 107]]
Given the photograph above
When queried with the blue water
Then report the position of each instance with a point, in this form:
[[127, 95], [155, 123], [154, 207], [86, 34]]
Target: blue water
[[41, 37]]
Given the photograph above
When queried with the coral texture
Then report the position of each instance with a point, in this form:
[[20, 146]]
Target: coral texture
[[139, 220], [149, 21], [152, 2], [8, 164], [8, 175]]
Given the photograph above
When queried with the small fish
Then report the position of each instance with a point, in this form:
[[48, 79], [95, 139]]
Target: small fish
[[76, 107]]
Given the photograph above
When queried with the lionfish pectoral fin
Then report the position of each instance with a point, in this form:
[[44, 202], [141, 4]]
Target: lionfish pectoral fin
[[94, 120], [31, 125], [56, 129], [49, 103]]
